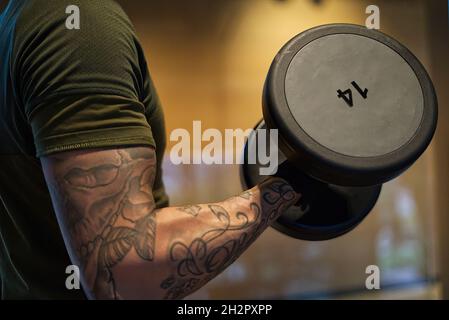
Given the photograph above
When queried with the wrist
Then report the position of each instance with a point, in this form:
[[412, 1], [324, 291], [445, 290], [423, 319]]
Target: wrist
[[276, 196]]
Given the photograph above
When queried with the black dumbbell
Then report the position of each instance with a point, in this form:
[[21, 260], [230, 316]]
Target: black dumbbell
[[354, 109]]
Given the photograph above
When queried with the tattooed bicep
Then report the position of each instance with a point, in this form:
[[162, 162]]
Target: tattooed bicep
[[104, 202]]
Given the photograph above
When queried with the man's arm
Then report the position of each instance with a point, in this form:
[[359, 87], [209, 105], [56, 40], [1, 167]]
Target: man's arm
[[128, 249]]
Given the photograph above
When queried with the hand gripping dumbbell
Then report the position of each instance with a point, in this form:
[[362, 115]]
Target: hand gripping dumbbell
[[354, 109]]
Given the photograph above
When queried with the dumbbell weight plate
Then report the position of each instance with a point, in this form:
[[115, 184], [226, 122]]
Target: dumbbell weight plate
[[315, 95], [324, 211]]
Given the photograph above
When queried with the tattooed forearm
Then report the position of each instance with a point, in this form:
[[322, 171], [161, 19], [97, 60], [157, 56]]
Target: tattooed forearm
[[129, 249], [203, 258]]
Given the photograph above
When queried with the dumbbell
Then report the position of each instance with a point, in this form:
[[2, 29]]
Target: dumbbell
[[353, 109]]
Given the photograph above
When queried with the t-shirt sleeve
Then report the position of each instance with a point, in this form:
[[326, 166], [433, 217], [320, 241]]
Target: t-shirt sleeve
[[80, 88]]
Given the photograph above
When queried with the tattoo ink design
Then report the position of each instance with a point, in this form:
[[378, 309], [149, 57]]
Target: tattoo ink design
[[191, 209], [278, 196], [246, 195], [110, 212], [117, 208], [204, 258]]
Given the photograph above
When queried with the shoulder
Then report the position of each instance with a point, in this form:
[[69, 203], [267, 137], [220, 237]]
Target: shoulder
[[97, 17], [103, 39]]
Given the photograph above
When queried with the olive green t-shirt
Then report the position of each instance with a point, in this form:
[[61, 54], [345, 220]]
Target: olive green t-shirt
[[63, 89]]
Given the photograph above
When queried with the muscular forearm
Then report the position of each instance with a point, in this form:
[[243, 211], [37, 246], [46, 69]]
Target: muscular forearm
[[193, 244]]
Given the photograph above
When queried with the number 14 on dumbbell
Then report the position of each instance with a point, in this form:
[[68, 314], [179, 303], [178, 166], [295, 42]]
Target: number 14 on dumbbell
[[347, 94]]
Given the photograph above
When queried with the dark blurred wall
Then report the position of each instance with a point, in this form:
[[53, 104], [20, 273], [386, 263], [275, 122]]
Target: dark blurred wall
[[438, 31]]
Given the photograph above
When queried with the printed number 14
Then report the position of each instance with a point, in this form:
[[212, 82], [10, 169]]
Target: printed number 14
[[347, 94]]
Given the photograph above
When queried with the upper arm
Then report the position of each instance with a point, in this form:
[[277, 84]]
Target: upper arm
[[85, 94], [105, 208], [86, 88]]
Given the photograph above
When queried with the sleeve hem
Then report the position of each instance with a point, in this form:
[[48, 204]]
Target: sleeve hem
[[113, 137]]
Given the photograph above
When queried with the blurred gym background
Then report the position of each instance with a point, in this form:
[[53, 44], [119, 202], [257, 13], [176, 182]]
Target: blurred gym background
[[209, 59]]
